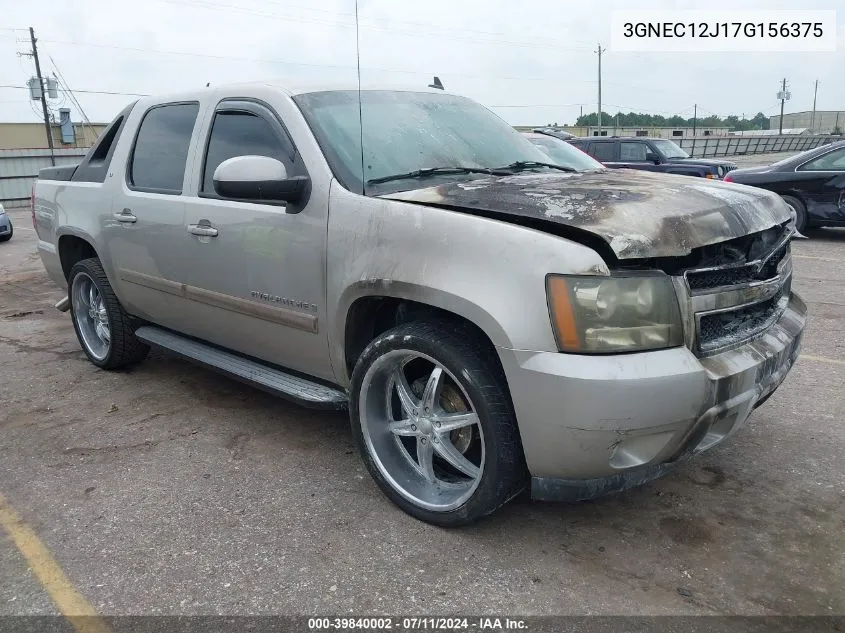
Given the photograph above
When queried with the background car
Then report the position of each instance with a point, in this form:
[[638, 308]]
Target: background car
[[812, 183], [651, 154], [562, 153], [6, 229], [551, 131]]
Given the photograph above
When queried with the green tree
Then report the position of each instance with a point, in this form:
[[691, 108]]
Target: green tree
[[639, 119]]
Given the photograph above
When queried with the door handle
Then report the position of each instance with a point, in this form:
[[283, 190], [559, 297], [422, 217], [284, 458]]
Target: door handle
[[125, 216], [205, 230]]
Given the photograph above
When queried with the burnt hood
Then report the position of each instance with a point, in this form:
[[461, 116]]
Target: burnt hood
[[638, 214]]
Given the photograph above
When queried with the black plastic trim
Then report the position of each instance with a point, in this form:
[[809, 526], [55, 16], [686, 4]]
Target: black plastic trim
[[92, 168]]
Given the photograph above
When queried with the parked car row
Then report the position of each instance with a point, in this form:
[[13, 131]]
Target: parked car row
[[811, 183]]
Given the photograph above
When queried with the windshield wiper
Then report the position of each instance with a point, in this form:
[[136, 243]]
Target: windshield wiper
[[430, 171], [529, 164]]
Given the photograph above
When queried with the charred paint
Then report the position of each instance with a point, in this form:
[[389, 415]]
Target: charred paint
[[638, 214]]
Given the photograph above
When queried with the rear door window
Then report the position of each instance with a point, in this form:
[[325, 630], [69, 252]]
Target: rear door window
[[603, 152], [632, 152], [161, 148]]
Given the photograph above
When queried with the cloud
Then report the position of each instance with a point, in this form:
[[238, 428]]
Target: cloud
[[537, 56]]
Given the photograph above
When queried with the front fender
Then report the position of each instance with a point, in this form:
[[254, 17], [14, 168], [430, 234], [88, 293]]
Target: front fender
[[490, 272]]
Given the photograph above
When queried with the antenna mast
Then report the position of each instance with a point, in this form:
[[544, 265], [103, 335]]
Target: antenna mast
[[360, 112]]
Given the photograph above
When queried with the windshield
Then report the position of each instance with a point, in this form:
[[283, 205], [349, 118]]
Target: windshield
[[408, 131], [669, 149], [563, 153]]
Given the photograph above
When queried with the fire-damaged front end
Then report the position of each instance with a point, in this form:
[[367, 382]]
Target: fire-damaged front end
[[742, 330], [624, 398]]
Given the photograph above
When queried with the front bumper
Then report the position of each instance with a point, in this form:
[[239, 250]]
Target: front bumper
[[5, 225], [597, 424]]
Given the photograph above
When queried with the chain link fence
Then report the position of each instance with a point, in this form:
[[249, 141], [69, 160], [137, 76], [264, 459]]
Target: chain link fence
[[711, 146]]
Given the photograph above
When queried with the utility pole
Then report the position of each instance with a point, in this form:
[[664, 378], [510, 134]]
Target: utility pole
[[783, 95], [43, 97], [600, 50], [813, 120], [694, 117]]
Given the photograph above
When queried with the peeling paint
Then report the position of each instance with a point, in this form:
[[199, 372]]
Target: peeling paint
[[633, 211]]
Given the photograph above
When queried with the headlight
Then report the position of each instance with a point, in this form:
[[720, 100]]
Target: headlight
[[594, 315]]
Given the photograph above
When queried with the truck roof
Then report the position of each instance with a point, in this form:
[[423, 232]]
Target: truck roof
[[290, 88]]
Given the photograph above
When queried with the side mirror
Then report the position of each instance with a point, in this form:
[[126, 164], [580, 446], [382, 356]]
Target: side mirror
[[651, 157], [258, 178]]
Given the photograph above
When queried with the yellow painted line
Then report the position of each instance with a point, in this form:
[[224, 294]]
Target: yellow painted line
[[822, 359], [70, 603]]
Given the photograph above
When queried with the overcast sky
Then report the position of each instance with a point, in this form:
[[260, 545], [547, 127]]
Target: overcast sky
[[533, 64]]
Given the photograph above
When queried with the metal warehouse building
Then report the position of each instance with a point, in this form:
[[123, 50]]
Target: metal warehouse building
[[23, 151], [820, 122], [34, 136]]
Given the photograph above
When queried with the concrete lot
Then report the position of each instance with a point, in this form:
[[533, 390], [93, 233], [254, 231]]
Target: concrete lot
[[167, 489]]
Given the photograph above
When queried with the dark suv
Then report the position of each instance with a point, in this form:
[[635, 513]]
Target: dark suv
[[651, 154]]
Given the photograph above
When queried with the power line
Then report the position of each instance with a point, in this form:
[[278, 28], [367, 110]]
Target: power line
[[288, 62], [538, 105], [92, 92], [287, 18], [351, 14]]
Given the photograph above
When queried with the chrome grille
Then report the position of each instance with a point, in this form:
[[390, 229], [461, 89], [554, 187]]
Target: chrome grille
[[732, 276], [726, 306], [721, 329]]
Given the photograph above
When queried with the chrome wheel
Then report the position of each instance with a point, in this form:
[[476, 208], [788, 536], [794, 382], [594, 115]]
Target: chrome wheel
[[421, 430], [92, 319]]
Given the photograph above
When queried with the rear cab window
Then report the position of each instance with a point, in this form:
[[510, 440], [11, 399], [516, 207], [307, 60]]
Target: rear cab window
[[95, 165], [160, 153]]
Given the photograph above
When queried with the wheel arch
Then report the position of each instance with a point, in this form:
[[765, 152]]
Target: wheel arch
[[373, 307], [73, 246]]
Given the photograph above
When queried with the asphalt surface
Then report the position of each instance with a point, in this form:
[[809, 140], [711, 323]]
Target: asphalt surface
[[167, 489]]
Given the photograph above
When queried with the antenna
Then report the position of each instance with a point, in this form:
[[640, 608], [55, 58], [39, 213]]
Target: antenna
[[360, 112]]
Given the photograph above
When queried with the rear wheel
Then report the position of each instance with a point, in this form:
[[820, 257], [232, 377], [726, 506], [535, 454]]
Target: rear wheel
[[103, 328], [800, 212], [433, 419]]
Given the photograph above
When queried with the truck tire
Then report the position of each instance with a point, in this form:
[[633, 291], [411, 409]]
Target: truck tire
[[104, 330], [434, 423], [800, 212]]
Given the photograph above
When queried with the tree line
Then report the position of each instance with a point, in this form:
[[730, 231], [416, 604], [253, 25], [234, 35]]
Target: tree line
[[637, 119]]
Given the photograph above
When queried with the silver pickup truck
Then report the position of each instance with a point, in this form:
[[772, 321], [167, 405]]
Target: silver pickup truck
[[494, 322]]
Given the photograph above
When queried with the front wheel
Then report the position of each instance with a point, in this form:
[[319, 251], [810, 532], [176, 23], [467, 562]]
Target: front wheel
[[434, 423], [104, 329]]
